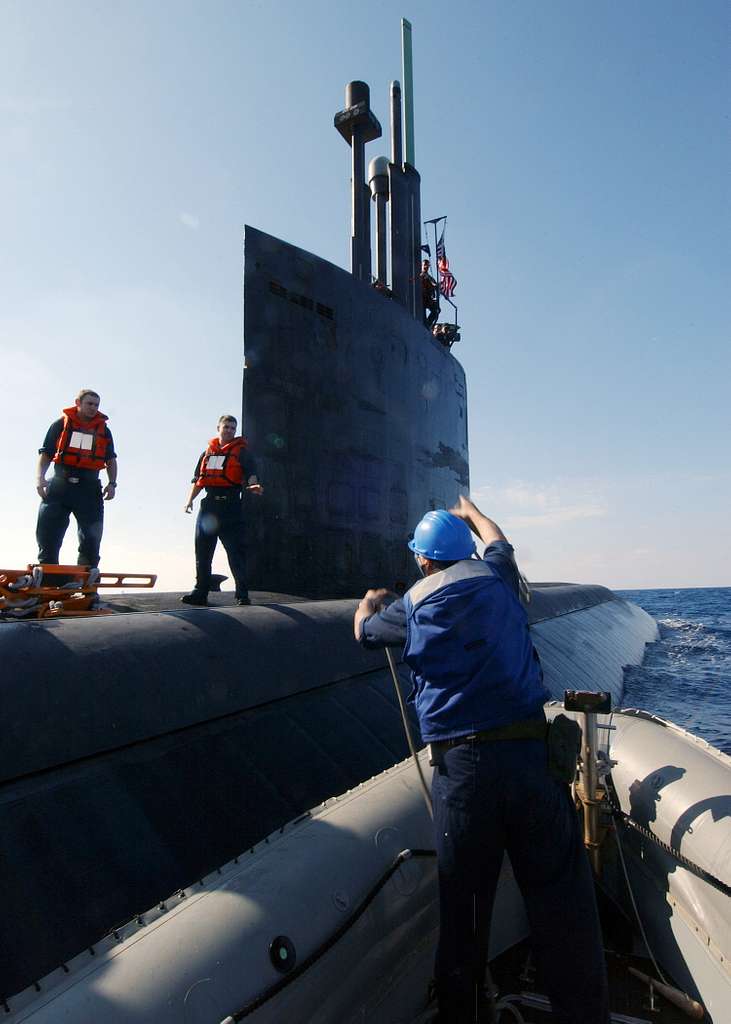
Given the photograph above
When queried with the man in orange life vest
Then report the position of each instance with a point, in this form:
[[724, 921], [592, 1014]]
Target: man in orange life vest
[[224, 469], [79, 445]]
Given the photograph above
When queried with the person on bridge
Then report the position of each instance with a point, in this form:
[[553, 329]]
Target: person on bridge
[[429, 296], [479, 695], [225, 469], [79, 445]]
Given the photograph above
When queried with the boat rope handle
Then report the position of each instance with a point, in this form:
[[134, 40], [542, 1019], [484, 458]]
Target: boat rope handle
[[695, 869], [328, 943]]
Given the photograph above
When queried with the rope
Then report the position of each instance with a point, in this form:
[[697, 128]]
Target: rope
[[407, 730], [636, 909], [695, 869], [328, 943]]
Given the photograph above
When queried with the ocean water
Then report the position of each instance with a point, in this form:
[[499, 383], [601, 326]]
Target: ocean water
[[686, 674]]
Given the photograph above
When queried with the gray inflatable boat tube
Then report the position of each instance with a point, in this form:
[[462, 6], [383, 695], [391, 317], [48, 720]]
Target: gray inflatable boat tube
[[677, 789]]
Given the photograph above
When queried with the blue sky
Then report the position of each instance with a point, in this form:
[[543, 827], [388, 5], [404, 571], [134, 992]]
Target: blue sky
[[581, 152]]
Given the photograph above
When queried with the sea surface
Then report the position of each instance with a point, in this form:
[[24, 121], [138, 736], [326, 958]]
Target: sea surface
[[686, 675]]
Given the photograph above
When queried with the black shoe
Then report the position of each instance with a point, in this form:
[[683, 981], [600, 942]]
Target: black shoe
[[242, 600], [197, 599]]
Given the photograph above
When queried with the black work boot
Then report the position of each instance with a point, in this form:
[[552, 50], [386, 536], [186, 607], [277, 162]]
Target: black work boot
[[197, 598]]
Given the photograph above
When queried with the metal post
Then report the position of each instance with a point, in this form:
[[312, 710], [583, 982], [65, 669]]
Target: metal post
[[589, 781], [396, 139], [359, 216], [381, 271], [378, 182], [436, 270], [407, 66], [588, 704], [358, 125]]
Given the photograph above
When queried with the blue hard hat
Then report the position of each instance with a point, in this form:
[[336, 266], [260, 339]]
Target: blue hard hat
[[443, 537]]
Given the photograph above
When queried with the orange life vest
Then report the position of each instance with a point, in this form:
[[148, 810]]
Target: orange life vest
[[220, 466], [83, 443]]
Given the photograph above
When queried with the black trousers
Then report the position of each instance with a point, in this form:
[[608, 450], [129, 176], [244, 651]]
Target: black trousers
[[494, 797], [85, 501], [431, 313], [220, 517]]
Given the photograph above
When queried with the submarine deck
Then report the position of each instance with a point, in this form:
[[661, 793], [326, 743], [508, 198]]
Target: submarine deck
[[133, 601], [170, 601]]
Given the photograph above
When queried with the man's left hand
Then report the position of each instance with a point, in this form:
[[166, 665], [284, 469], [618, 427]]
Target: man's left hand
[[376, 597], [109, 491]]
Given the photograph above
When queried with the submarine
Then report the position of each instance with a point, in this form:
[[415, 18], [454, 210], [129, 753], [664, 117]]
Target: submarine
[[210, 815]]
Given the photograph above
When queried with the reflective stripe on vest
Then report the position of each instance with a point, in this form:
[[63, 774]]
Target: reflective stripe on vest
[[462, 570], [82, 443], [220, 465]]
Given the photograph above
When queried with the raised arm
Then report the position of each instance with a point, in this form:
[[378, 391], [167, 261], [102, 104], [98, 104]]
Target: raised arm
[[487, 530]]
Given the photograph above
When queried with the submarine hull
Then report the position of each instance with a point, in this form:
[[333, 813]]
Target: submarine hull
[[143, 750]]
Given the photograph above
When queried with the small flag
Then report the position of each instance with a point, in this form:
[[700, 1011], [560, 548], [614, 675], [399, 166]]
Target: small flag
[[447, 280], [426, 249]]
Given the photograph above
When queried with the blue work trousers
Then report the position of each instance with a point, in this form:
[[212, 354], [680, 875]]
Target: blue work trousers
[[494, 797], [84, 500], [220, 518]]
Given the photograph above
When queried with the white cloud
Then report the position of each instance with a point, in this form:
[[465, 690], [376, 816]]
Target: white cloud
[[522, 504], [189, 220]]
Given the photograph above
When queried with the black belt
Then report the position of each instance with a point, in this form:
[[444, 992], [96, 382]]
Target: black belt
[[224, 497], [528, 729], [74, 477]]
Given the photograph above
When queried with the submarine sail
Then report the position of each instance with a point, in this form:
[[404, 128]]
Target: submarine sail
[[357, 416]]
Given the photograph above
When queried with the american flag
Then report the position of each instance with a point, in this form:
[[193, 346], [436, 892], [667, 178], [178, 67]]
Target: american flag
[[447, 280]]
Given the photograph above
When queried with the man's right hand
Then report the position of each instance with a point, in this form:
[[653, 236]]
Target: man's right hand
[[42, 489], [188, 508], [486, 529], [466, 510]]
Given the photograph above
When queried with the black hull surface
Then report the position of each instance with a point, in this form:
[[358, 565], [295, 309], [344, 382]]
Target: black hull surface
[[357, 418], [143, 750]]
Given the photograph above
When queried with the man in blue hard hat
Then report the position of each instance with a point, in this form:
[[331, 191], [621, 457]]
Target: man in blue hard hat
[[479, 695]]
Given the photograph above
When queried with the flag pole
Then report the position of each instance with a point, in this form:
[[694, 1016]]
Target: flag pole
[[436, 259]]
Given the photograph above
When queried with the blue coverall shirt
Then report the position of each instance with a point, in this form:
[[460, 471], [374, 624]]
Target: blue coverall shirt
[[467, 643]]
